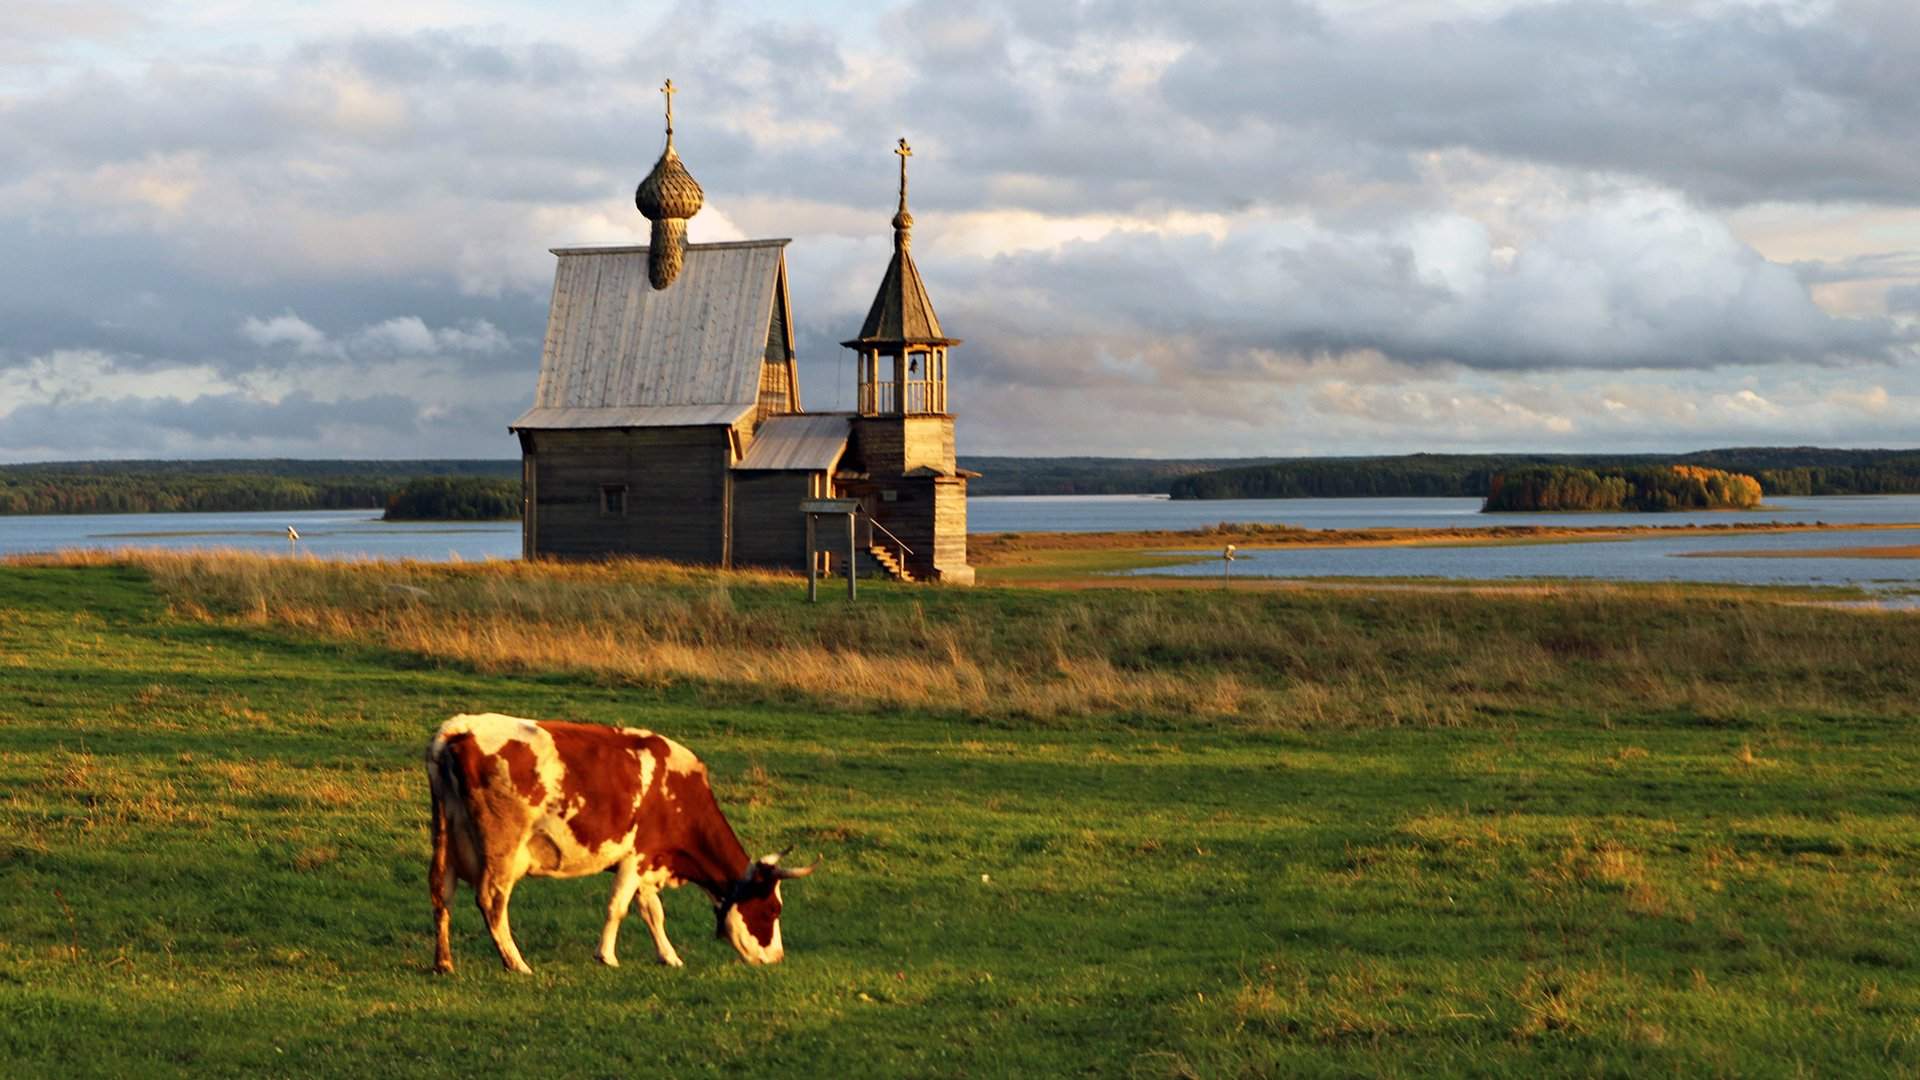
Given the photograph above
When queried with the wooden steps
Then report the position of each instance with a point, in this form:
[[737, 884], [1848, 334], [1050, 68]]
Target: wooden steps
[[888, 562]]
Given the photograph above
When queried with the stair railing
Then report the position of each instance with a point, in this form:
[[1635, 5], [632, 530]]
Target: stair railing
[[901, 544]]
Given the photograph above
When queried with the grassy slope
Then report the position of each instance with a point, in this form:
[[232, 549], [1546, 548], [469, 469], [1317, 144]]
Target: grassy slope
[[212, 845]]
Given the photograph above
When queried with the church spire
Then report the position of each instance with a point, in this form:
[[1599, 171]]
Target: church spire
[[903, 221], [668, 197]]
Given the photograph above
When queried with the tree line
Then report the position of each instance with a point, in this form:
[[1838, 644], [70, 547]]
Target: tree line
[[446, 498], [1800, 470], [140, 487], [1676, 487], [291, 484]]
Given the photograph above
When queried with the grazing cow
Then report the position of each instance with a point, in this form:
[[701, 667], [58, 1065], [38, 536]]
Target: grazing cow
[[514, 797]]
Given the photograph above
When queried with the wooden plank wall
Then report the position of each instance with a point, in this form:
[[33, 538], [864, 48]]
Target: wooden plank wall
[[930, 442], [892, 445], [950, 529], [676, 503], [768, 527], [929, 514]]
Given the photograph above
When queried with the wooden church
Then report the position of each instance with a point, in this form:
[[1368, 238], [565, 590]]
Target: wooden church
[[668, 424]]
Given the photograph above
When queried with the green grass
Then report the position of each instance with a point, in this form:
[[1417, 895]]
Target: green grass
[[213, 847]]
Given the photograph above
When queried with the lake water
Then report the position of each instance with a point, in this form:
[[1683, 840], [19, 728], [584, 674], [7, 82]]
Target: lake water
[[346, 534]]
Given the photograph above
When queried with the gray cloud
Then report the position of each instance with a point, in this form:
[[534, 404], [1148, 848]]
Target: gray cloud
[[1266, 194], [1733, 103], [230, 419], [1633, 284]]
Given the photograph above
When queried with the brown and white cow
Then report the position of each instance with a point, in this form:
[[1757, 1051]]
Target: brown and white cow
[[513, 797]]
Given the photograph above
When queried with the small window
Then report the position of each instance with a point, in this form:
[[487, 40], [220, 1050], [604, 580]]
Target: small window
[[613, 499]]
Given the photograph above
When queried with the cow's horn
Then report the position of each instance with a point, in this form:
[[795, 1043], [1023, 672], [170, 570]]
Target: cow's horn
[[781, 873], [774, 859]]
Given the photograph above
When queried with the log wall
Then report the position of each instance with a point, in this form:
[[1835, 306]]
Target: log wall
[[768, 527], [677, 484]]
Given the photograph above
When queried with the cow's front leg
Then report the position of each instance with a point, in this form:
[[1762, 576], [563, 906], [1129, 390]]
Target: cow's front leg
[[655, 917], [626, 879]]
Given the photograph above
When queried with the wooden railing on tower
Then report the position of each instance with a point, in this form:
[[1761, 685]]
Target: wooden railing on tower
[[923, 396]]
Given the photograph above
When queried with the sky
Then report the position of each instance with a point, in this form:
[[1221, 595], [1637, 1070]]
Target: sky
[[1271, 227]]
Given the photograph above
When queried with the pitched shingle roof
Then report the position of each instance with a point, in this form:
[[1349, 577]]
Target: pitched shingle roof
[[902, 312], [621, 352], [800, 441]]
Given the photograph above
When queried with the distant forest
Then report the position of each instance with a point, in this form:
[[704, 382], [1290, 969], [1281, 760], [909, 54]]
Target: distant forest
[[133, 487], [1090, 475], [455, 498], [1800, 470], [127, 487], [138, 487], [1676, 487]]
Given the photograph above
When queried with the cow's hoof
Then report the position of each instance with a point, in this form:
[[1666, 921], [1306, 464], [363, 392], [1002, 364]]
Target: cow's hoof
[[609, 960], [672, 961], [443, 967]]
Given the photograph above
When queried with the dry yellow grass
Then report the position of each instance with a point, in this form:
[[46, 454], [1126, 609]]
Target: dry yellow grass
[[1293, 658]]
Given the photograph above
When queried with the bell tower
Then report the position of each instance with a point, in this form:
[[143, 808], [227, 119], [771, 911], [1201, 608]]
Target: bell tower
[[901, 350], [909, 482]]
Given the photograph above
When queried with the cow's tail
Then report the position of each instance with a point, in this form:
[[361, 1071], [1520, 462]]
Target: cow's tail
[[452, 825]]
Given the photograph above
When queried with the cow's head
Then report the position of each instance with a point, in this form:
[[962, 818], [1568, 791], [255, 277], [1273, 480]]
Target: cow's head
[[749, 914]]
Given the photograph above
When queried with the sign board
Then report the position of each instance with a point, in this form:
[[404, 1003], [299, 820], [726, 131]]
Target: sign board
[[813, 508]]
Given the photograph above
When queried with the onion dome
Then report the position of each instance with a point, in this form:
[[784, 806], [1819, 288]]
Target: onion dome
[[669, 191], [668, 197]]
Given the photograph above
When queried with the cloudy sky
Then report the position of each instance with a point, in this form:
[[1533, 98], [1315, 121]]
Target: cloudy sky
[[1261, 227]]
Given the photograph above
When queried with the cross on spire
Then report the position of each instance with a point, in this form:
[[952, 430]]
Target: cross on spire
[[905, 152], [669, 90]]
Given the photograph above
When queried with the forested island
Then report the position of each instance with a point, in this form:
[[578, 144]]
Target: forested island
[[1676, 487], [1798, 470], [455, 498]]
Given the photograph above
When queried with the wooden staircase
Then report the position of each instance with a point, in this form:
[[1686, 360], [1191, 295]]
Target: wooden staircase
[[889, 562]]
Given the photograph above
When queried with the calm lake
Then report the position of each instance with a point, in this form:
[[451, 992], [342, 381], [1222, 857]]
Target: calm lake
[[348, 534]]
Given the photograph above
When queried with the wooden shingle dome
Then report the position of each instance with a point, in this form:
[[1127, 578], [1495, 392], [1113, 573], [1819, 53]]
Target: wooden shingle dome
[[668, 197]]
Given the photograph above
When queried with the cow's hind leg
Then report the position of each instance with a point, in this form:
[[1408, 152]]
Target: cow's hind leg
[[626, 879], [492, 894], [655, 917], [441, 883]]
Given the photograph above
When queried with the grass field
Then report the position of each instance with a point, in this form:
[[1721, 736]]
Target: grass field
[[1153, 832]]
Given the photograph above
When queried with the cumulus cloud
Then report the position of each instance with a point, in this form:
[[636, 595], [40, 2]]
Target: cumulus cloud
[[404, 335], [287, 329], [410, 334]]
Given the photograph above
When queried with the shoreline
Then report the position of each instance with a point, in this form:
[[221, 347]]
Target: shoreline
[[997, 544], [1038, 557]]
